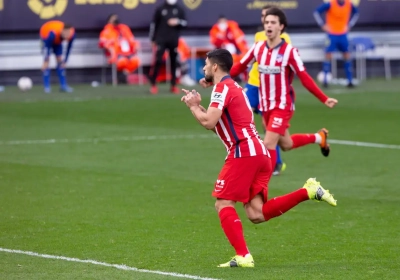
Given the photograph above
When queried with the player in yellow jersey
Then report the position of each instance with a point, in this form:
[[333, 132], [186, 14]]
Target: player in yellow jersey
[[253, 84]]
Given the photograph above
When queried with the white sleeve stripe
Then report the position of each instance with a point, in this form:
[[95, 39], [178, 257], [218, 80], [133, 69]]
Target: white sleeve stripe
[[297, 59]]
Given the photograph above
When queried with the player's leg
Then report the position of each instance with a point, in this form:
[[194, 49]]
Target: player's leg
[[343, 46], [276, 122], [159, 51], [173, 54], [233, 185], [330, 48], [280, 165], [260, 209], [288, 142], [45, 68], [61, 69]]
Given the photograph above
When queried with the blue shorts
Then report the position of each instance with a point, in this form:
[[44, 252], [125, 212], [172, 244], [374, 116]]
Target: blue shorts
[[252, 95], [56, 48], [337, 42]]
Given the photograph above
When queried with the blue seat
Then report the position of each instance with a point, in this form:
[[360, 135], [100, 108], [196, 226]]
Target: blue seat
[[364, 48]]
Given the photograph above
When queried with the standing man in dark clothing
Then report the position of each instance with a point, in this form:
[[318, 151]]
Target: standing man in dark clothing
[[165, 29]]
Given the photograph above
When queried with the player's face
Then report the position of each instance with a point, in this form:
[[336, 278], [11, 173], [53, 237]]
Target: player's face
[[272, 26], [208, 71]]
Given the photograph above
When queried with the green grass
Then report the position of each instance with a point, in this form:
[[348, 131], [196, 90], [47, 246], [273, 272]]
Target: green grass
[[148, 204]]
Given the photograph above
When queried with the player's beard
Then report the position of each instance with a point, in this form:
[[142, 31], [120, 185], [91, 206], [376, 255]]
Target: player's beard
[[208, 78]]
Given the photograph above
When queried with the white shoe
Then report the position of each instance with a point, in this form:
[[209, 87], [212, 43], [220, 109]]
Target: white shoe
[[187, 81]]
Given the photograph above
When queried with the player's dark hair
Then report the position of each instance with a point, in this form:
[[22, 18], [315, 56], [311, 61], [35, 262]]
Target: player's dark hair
[[222, 58], [275, 11], [67, 26]]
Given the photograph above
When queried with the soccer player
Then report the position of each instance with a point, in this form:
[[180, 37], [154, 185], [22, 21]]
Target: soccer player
[[247, 168], [277, 63], [253, 84], [53, 33], [341, 15]]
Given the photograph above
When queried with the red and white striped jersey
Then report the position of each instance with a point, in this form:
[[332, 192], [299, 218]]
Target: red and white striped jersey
[[236, 126], [276, 69]]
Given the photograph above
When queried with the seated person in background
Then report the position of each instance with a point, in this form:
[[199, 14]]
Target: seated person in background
[[227, 34], [184, 55], [119, 44]]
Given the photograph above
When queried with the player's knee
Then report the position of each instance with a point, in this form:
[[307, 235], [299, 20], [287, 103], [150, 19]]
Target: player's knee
[[286, 146], [255, 217], [221, 203], [270, 144]]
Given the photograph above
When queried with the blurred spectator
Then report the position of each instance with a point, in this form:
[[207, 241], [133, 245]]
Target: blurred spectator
[[168, 20], [228, 35], [119, 45]]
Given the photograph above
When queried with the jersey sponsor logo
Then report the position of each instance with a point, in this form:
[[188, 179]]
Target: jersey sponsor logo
[[270, 70], [192, 4], [217, 97], [277, 122]]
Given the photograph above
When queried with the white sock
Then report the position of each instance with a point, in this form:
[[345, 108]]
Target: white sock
[[318, 138]]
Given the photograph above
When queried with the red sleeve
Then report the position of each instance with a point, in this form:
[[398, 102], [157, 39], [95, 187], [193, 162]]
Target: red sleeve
[[297, 65], [241, 66], [219, 96]]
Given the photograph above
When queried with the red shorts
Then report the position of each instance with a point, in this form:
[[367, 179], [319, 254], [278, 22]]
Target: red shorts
[[277, 120], [241, 179]]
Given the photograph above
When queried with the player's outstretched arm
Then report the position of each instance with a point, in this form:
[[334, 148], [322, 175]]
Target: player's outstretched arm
[[247, 59], [297, 65]]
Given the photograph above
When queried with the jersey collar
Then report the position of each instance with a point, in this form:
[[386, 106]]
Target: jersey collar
[[277, 46], [225, 77]]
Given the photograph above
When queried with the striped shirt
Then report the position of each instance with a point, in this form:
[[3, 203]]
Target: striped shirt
[[276, 68], [236, 127]]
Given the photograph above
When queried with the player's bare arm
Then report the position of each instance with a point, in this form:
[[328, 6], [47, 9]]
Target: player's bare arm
[[208, 118], [308, 82]]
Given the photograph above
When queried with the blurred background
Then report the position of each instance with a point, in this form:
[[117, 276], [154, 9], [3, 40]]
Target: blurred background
[[20, 44]]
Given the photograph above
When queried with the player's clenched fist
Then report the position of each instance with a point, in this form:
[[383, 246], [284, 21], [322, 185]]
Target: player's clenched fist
[[192, 98], [331, 102]]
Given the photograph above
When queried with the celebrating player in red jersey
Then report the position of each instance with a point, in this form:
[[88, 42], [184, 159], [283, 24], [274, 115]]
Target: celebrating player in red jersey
[[278, 62], [247, 169]]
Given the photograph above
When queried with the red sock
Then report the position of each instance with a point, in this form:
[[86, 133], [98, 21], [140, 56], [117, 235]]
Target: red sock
[[233, 229], [281, 204], [272, 153], [302, 140]]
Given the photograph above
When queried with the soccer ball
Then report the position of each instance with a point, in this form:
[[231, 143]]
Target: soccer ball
[[25, 83], [320, 77]]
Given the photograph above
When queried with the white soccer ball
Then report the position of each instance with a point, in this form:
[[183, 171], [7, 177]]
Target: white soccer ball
[[320, 77], [25, 83]]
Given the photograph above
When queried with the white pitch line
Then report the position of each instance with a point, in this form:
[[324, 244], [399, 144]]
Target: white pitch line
[[117, 266], [170, 137]]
